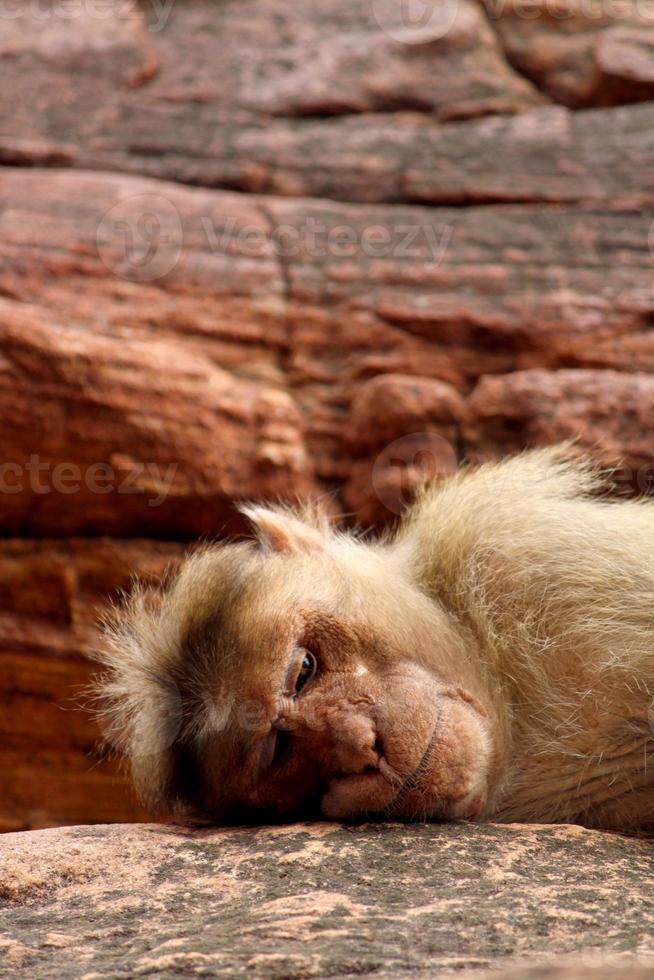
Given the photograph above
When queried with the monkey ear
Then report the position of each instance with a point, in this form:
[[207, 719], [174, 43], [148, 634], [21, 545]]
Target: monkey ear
[[281, 531]]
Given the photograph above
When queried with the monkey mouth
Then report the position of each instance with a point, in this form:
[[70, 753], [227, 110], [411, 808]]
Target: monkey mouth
[[352, 794], [415, 777], [448, 781]]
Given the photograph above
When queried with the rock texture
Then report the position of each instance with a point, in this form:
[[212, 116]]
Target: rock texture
[[580, 54], [307, 901], [51, 593], [254, 249]]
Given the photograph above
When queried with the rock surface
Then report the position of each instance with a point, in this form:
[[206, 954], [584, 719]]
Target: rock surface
[[580, 54], [232, 344], [254, 249], [318, 900], [51, 593]]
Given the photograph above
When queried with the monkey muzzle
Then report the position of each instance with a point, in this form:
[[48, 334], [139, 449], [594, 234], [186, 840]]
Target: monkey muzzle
[[428, 753]]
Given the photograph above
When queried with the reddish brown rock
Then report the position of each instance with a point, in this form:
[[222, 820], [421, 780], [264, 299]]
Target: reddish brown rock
[[573, 968], [548, 154], [190, 95], [402, 431], [249, 59], [51, 595], [336, 58], [610, 413], [118, 435], [392, 405], [319, 900], [236, 330], [580, 53], [127, 425], [60, 67], [625, 63]]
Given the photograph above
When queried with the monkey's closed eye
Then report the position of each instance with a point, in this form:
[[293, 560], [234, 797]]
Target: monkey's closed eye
[[306, 672]]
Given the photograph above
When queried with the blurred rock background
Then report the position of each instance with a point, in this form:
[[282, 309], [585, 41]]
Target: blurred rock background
[[255, 249]]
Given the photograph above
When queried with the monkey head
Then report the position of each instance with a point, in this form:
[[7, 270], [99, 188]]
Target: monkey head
[[301, 674]]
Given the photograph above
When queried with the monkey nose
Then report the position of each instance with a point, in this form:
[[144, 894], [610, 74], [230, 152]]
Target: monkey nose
[[354, 743]]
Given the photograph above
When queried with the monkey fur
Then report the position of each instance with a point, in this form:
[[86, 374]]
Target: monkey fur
[[492, 658]]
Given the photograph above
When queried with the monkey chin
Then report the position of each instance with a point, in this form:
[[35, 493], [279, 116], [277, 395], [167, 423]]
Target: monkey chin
[[437, 758]]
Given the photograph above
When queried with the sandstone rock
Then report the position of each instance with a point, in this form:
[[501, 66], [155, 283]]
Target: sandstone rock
[[582, 968], [580, 53], [392, 405], [236, 330], [625, 62], [548, 154], [403, 431], [201, 126], [123, 436], [51, 596], [336, 58], [252, 59], [60, 66], [320, 900], [610, 413]]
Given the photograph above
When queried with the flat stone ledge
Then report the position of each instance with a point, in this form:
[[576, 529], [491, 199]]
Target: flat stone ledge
[[321, 900]]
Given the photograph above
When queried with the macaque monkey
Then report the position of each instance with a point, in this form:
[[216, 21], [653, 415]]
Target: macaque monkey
[[492, 658]]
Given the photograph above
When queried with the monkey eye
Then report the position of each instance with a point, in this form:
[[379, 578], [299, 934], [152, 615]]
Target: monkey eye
[[306, 671]]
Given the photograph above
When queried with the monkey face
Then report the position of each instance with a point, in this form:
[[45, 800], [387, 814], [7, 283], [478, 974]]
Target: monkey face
[[358, 742], [341, 731], [340, 691], [307, 675]]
